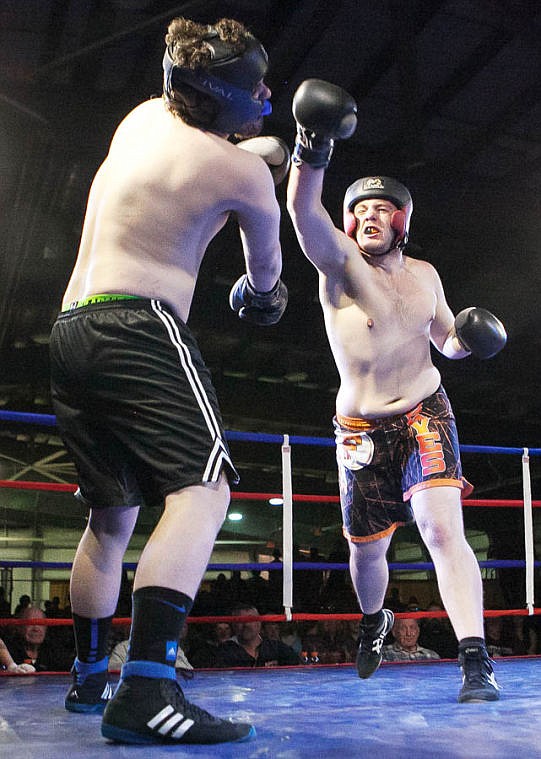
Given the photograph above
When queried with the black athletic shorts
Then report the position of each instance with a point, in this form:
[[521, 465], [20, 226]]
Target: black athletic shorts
[[135, 404], [382, 462]]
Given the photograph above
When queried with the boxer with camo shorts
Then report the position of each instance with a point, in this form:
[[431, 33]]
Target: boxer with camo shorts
[[397, 448]]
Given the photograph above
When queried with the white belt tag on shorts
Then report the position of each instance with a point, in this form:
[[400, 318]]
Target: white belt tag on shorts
[[354, 451]]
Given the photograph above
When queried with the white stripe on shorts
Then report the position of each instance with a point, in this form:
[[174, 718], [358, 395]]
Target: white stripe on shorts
[[218, 454]]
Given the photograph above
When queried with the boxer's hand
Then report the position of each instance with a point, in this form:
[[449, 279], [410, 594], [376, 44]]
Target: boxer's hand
[[21, 669], [256, 307], [324, 113], [480, 332], [273, 151]]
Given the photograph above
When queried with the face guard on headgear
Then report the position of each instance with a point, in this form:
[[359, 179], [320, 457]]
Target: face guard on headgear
[[368, 188], [230, 79]]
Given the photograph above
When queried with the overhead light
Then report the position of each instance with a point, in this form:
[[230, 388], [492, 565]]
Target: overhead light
[[270, 380], [276, 501], [296, 376], [235, 516]]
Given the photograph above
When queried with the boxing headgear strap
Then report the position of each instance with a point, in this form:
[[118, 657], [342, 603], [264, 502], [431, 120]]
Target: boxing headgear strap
[[230, 79], [380, 187]]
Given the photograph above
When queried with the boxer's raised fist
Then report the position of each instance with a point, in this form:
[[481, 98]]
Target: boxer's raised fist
[[324, 113]]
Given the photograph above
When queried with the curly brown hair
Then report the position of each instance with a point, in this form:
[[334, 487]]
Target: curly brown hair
[[186, 40]]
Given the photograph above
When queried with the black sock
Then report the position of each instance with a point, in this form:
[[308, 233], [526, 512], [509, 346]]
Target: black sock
[[158, 616], [91, 638], [372, 620], [470, 643]]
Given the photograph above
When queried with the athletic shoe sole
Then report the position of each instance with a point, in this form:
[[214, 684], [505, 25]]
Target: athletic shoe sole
[[120, 735]]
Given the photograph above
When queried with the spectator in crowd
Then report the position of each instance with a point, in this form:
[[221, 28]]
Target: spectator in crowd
[[24, 602], [31, 644], [52, 608], [393, 601], [203, 646], [248, 648], [498, 642], [119, 654], [237, 588], [326, 642], [5, 606], [337, 593], [276, 580], [437, 633], [406, 647], [290, 636], [258, 591], [309, 584], [413, 604]]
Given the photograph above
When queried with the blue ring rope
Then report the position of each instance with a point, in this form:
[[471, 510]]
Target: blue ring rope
[[49, 420]]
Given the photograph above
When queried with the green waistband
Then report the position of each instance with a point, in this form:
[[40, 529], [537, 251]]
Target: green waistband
[[100, 298]]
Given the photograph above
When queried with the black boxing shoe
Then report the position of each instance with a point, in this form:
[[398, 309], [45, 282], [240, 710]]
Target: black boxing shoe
[[372, 637], [89, 696], [478, 679], [154, 710]]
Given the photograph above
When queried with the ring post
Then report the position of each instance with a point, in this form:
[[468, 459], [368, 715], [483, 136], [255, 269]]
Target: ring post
[[528, 530], [287, 533]]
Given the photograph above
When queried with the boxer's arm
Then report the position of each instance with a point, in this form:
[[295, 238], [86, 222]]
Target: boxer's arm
[[320, 240], [6, 660], [258, 215], [442, 328]]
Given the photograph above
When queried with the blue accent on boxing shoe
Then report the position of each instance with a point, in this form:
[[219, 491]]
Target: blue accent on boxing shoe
[[153, 669], [82, 668]]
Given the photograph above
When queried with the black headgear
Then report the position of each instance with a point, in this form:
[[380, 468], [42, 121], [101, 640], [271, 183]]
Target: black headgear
[[380, 187], [230, 79]]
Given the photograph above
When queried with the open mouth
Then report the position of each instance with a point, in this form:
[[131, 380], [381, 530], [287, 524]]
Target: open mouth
[[370, 230]]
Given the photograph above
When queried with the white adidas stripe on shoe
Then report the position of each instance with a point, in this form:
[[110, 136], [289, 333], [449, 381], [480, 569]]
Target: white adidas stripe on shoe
[[170, 723]]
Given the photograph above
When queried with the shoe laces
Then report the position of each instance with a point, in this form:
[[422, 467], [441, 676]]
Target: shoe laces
[[476, 666], [372, 638], [175, 696]]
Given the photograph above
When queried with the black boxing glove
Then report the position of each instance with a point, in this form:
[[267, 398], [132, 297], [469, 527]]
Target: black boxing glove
[[324, 113], [257, 307], [273, 151], [480, 332]]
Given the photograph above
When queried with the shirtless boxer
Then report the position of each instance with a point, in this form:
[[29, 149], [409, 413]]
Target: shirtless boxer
[[133, 399], [397, 447]]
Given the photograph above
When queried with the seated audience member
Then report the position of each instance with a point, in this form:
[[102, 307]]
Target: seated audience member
[[405, 647], [248, 648], [24, 602], [393, 600], [326, 642], [119, 654], [32, 644], [7, 663], [5, 606], [290, 636], [437, 634], [498, 644], [202, 644]]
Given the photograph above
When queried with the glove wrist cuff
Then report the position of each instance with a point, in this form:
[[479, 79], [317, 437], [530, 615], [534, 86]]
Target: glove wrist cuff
[[262, 293], [317, 159]]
